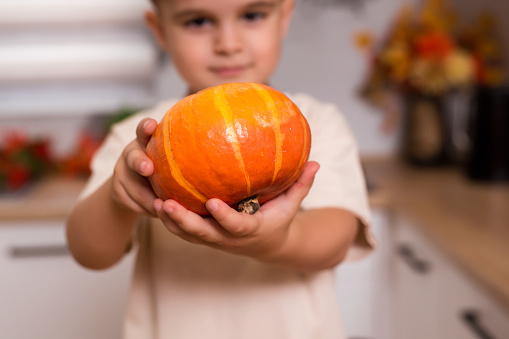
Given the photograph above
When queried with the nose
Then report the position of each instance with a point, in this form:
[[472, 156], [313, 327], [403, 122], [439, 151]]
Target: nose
[[228, 40]]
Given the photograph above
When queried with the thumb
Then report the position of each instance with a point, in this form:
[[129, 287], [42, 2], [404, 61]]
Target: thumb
[[298, 191], [144, 131]]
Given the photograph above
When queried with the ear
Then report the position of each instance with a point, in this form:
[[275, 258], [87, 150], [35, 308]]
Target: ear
[[154, 24], [286, 15]]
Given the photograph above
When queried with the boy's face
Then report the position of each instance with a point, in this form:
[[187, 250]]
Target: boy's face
[[220, 41]]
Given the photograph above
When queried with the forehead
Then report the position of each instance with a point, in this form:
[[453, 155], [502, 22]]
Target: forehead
[[218, 5]]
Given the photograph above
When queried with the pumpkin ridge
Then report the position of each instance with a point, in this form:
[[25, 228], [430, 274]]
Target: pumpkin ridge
[[307, 141], [276, 126], [231, 134], [305, 149], [174, 168]]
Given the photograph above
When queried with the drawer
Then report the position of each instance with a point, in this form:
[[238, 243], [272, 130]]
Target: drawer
[[41, 285], [470, 312]]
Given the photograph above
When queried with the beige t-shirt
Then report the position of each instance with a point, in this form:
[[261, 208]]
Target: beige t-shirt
[[185, 291]]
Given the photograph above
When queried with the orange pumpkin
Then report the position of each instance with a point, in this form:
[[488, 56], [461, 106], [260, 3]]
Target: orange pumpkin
[[234, 142]]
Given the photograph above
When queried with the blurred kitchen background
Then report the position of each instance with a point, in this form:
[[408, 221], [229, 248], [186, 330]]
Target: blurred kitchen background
[[433, 137]]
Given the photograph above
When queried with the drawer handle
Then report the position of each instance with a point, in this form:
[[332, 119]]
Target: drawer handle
[[472, 319], [417, 264], [38, 251]]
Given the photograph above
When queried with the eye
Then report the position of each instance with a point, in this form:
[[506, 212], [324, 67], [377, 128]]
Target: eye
[[254, 16], [198, 22]]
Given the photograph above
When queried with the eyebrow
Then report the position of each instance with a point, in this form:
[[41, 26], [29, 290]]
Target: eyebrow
[[187, 13], [179, 15], [269, 4]]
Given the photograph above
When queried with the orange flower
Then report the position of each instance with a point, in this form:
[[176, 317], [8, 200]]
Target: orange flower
[[433, 45], [363, 40]]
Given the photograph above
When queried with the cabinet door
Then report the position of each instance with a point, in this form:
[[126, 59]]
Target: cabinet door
[[416, 272], [45, 294], [362, 287], [469, 312]]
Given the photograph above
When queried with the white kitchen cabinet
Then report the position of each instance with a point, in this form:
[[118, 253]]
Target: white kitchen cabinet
[[469, 312], [408, 289], [45, 294], [416, 271], [433, 298], [362, 286]]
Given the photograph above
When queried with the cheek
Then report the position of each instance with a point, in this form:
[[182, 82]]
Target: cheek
[[182, 44], [267, 53], [192, 64], [188, 53]]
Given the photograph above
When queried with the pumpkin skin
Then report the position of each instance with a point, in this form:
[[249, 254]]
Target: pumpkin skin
[[232, 142]]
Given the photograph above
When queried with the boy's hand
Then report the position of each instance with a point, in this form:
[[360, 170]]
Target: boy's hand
[[260, 235], [130, 188]]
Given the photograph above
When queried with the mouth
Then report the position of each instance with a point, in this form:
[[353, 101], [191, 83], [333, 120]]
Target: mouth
[[230, 70]]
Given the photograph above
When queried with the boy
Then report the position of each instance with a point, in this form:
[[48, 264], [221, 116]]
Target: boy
[[266, 275]]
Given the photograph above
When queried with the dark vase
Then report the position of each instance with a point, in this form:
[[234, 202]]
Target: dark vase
[[425, 135], [488, 158]]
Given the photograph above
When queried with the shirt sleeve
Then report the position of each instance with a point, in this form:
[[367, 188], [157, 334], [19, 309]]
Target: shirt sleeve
[[120, 135], [103, 163], [340, 181]]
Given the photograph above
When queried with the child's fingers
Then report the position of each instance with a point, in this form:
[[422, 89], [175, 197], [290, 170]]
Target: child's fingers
[[168, 222], [238, 224], [191, 226], [134, 200], [144, 131], [138, 161]]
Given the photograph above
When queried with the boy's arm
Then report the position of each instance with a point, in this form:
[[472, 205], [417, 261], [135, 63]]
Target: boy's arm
[[318, 239], [101, 226], [98, 230]]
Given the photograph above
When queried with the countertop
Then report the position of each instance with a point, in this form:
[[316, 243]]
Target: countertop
[[468, 221], [49, 198], [53, 197]]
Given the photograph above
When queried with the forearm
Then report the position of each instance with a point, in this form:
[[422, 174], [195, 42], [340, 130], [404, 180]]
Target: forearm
[[98, 230], [318, 239]]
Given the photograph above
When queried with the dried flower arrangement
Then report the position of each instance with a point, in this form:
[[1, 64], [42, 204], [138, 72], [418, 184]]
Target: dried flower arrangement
[[429, 56], [430, 50]]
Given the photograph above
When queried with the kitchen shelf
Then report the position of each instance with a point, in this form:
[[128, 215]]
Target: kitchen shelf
[[70, 99], [75, 12], [130, 59]]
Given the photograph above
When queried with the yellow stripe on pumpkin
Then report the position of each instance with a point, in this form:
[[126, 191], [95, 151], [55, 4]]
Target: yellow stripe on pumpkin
[[304, 154], [231, 134], [306, 140], [174, 168], [276, 126]]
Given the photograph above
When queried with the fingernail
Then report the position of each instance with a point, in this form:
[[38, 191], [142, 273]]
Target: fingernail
[[143, 166], [169, 209], [158, 205], [212, 206]]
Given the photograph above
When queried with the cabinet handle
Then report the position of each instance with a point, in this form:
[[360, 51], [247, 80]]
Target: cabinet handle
[[417, 264], [473, 321], [37, 251]]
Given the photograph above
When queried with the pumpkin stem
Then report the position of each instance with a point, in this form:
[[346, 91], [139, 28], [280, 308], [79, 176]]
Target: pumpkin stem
[[249, 205]]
